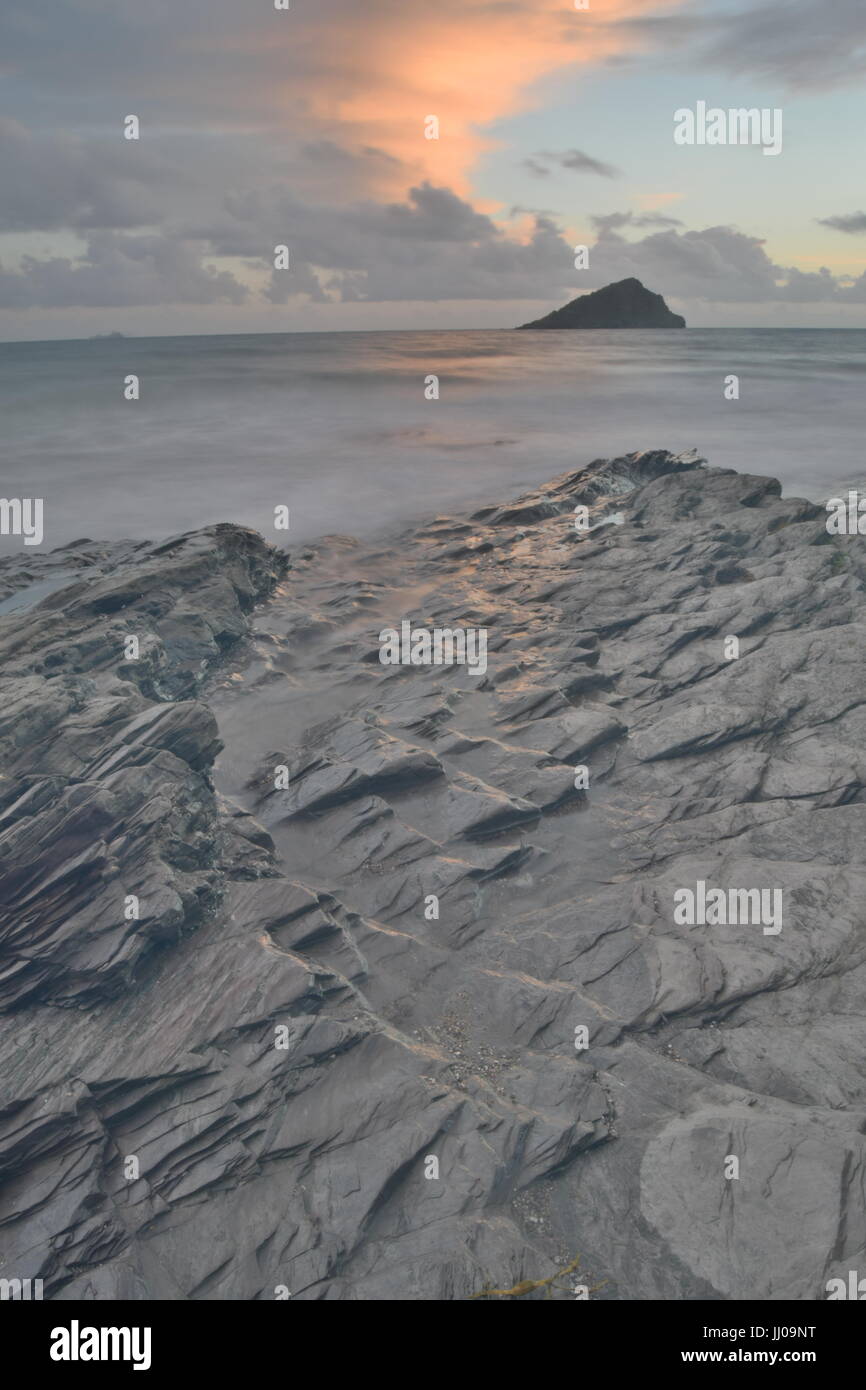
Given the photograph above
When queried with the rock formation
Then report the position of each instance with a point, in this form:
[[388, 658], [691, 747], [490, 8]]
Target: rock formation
[[625, 304], [242, 1089]]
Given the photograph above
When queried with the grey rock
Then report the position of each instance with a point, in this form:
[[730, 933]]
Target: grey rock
[[384, 963]]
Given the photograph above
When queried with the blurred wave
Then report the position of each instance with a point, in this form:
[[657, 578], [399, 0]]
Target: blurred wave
[[336, 426]]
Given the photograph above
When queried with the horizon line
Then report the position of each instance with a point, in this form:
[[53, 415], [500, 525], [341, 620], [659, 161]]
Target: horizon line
[[116, 335]]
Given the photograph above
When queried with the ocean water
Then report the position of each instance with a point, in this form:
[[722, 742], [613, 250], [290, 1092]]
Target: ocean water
[[336, 425]]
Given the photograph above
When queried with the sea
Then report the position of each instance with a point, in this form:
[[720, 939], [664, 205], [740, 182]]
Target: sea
[[338, 427]]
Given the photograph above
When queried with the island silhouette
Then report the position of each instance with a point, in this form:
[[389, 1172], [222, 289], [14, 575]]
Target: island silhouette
[[624, 304]]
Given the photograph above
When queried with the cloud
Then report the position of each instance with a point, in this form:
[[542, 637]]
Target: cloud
[[119, 271], [431, 214], [851, 222], [570, 159], [716, 265], [53, 180], [798, 43], [307, 127], [357, 76], [259, 127], [434, 246], [612, 221], [583, 163]]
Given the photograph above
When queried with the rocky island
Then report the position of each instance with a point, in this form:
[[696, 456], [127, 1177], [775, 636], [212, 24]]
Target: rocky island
[[334, 980], [625, 304]]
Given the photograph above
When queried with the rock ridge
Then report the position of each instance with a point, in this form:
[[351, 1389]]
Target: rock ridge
[[245, 1089]]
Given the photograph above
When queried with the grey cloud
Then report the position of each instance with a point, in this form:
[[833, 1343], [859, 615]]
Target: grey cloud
[[437, 247], [250, 223], [716, 265], [812, 287], [584, 163], [802, 42], [165, 61], [53, 180], [799, 43], [521, 210], [431, 214], [493, 267], [655, 219], [119, 271], [575, 160], [336, 156], [855, 292], [612, 221], [433, 247], [851, 222]]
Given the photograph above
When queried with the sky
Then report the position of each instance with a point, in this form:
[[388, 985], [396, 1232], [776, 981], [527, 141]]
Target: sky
[[308, 128]]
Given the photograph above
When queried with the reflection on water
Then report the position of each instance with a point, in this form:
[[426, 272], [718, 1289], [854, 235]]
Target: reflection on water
[[336, 426]]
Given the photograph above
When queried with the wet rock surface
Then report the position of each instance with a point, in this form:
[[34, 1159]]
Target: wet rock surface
[[377, 902]]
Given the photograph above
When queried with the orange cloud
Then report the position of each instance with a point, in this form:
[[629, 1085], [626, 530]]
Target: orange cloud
[[366, 73], [469, 65]]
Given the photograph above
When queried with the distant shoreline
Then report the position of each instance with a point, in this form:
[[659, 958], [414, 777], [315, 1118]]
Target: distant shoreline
[[366, 332]]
